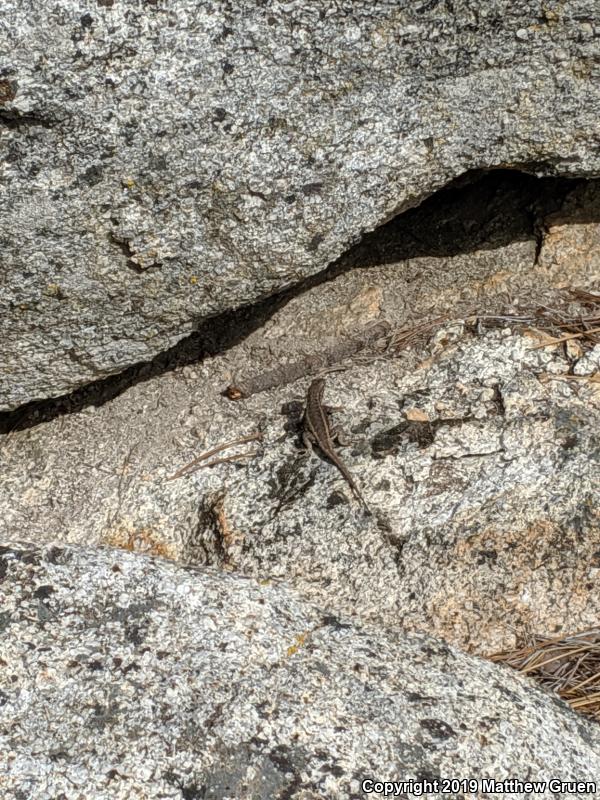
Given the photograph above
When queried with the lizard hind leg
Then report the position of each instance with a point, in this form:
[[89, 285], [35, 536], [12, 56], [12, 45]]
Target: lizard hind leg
[[339, 436]]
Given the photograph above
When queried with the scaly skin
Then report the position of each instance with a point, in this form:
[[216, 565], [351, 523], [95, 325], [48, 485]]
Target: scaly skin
[[318, 430]]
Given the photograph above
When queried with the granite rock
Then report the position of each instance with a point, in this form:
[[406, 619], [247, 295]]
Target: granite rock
[[130, 677], [164, 164], [476, 448]]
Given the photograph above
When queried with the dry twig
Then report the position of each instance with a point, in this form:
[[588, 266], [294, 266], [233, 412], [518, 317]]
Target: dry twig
[[580, 335], [196, 464], [308, 365], [405, 336]]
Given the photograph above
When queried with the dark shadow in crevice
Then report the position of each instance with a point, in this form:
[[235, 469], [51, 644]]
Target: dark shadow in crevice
[[479, 210]]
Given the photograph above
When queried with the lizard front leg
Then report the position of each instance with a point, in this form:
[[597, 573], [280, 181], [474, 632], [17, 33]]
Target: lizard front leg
[[307, 441]]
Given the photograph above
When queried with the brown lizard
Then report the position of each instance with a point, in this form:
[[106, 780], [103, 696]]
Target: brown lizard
[[317, 430]]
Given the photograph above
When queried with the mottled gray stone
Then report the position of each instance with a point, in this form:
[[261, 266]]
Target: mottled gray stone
[[477, 454], [130, 677], [162, 164]]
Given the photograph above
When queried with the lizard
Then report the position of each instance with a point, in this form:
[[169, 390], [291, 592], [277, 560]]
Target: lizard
[[317, 430]]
